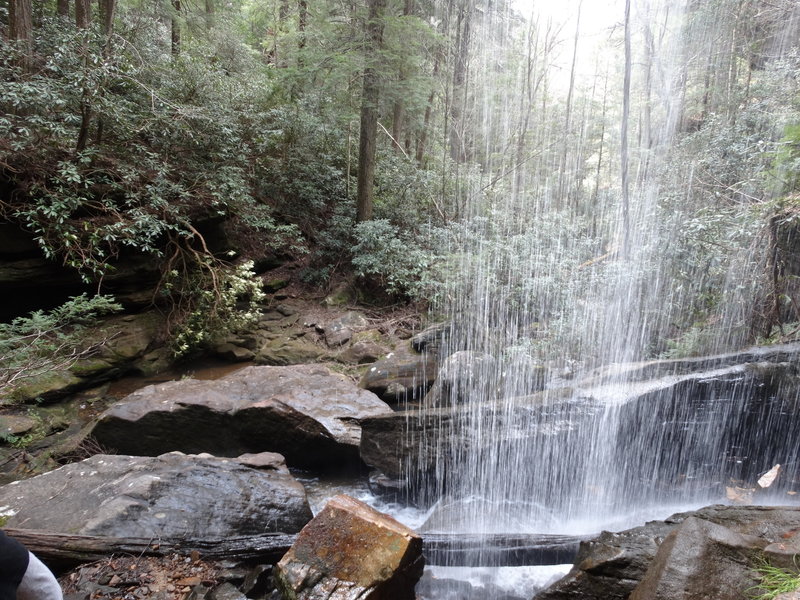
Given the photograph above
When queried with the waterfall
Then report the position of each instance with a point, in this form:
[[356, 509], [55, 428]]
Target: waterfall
[[532, 429]]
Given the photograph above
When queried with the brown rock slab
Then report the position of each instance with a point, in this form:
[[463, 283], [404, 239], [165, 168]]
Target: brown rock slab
[[351, 551]]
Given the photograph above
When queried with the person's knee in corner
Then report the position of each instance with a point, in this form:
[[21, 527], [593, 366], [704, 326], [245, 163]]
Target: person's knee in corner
[[39, 583], [22, 575]]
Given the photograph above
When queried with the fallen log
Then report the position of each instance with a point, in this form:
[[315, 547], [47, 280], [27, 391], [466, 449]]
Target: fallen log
[[63, 551]]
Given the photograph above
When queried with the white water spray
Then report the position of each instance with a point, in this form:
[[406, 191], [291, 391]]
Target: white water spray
[[549, 279]]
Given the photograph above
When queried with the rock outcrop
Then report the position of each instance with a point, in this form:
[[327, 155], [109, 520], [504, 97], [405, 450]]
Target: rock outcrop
[[172, 495], [305, 412], [700, 559], [461, 375], [708, 553], [127, 343], [339, 331], [350, 551], [729, 409], [401, 376]]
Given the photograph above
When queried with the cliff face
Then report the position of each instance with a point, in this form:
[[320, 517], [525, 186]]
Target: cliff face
[[30, 281]]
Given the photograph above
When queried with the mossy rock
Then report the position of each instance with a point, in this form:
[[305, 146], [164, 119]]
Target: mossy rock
[[16, 425], [129, 336], [273, 285], [46, 386], [91, 367], [341, 295], [372, 335], [283, 351], [155, 361]]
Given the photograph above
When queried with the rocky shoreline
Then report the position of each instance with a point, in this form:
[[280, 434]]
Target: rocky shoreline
[[335, 389]]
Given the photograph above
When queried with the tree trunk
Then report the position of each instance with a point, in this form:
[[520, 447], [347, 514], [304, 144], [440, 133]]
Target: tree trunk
[[302, 22], [83, 13], [458, 143], [369, 113], [176, 28], [20, 29], [426, 121], [62, 8], [626, 109], [107, 8], [563, 179], [601, 145], [83, 19], [210, 12], [527, 94], [64, 551], [399, 110]]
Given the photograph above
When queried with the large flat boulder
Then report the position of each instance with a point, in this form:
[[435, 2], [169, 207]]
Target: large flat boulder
[[306, 412], [350, 551], [173, 495]]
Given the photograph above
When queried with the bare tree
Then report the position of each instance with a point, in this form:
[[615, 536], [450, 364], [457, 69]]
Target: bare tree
[[20, 29], [62, 8], [626, 110], [83, 13], [176, 28], [369, 112]]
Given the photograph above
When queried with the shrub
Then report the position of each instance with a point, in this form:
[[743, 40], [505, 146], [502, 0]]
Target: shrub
[[47, 341]]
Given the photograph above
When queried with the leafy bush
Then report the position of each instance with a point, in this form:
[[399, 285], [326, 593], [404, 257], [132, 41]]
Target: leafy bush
[[47, 341], [214, 302], [382, 254]]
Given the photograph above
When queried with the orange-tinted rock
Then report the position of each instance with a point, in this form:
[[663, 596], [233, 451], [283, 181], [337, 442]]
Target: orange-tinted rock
[[351, 551]]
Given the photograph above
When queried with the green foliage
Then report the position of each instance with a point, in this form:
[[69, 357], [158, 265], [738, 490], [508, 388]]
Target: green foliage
[[384, 255], [774, 581], [786, 169], [47, 341], [219, 302]]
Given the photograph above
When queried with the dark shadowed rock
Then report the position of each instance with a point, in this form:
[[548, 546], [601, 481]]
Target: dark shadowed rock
[[351, 551], [730, 409], [306, 412], [700, 559], [410, 442], [172, 495], [402, 375], [612, 565], [432, 338]]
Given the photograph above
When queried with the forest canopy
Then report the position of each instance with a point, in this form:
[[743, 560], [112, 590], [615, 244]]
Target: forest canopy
[[392, 141]]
